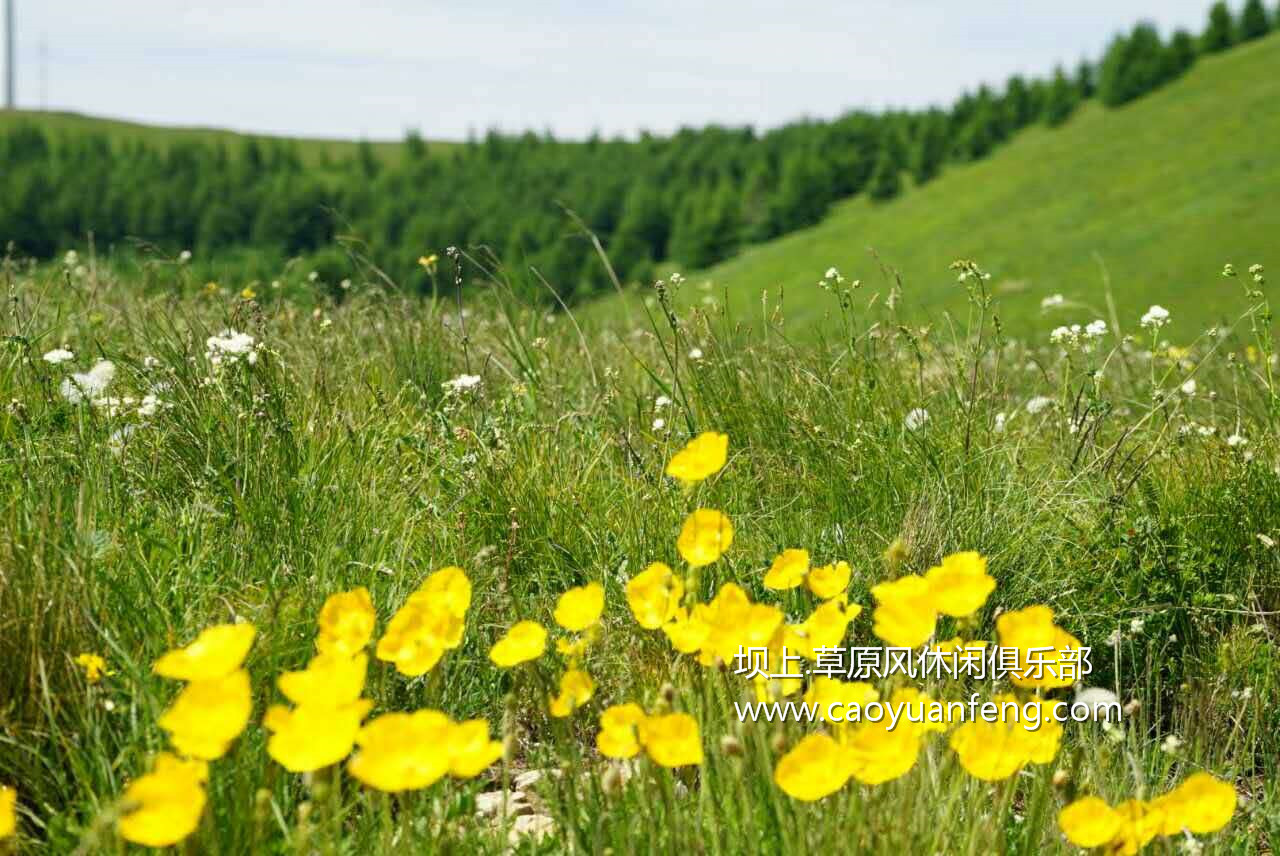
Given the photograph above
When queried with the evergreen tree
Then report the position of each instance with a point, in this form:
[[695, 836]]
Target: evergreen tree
[[931, 147], [1018, 105], [1180, 55], [1061, 100], [1132, 67], [1220, 34], [886, 182], [1086, 79], [1253, 21]]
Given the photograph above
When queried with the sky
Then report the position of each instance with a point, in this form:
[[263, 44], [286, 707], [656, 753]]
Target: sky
[[376, 69]]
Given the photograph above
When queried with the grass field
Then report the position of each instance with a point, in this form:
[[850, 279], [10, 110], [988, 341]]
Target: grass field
[[219, 477], [1141, 195]]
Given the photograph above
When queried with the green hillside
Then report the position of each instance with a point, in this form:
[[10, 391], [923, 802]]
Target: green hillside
[[1159, 193], [312, 150]]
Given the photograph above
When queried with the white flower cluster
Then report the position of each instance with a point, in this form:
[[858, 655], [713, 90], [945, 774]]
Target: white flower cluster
[[916, 419], [1076, 336], [1039, 403], [90, 386], [58, 355], [1155, 318], [461, 384], [229, 347], [1053, 301]]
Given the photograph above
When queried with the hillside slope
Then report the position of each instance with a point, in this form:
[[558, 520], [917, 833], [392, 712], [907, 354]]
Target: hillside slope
[[312, 150], [1161, 192]]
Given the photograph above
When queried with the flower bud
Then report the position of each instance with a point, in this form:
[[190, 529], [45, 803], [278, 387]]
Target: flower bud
[[731, 746]]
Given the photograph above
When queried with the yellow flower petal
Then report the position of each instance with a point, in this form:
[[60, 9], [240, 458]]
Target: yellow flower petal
[[164, 806], [8, 811], [654, 595], [579, 608], [403, 751], [526, 640], [310, 737], [960, 585], [830, 581], [471, 750], [815, 768], [702, 457], [216, 652], [1089, 822], [906, 614], [207, 715], [576, 689], [330, 680], [1202, 804], [346, 622], [788, 570], [672, 740], [705, 536]]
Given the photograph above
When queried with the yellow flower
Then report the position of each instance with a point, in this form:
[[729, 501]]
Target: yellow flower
[[736, 622], [216, 652], [248, 293], [1033, 628], [906, 613], [1139, 823], [429, 262], [702, 457], [1089, 822], [878, 754], [164, 806], [207, 715], [447, 588], [654, 595], [579, 608], [618, 724], [705, 536], [825, 628], [95, 667], [418, 635], [211, 287], [573, 648], [576, 689], [1202, 804], [346, 622], [672, 740], [526, 640], [915, 707], [960, 585], [330, 680], [993, 751], [471, 750], [788, 570], [829, 581], [310, 737], [8, 811], [815, 768], [688, 632], [825, 692], [402, 751]]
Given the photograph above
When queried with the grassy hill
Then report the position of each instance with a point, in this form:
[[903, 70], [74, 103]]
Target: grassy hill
[[1159, 193], [313, 150]]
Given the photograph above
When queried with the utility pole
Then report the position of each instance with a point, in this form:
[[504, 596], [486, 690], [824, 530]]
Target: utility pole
[[9, 61]]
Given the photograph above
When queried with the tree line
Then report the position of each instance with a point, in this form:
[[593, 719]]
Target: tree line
[[692, 198]]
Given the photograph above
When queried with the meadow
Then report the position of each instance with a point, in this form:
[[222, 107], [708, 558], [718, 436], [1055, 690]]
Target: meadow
[[215, 463]]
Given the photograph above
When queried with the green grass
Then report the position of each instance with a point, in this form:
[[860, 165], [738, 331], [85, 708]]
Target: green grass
[[338, 460], [312, 150], [1154, 196]]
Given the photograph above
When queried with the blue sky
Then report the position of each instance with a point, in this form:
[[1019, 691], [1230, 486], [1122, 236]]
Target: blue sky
[[376, 69]]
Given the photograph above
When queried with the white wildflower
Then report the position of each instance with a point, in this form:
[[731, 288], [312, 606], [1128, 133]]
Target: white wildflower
[[1206, 430], [1040, 402], [1189, 387], [659, 423], [462, 383], [695, 354], [229, 346], [149, 405], [89, 386], [150, 363], [184, 256], [1137, 626], [1000, 421], [916, 419], [58, 355], [1095, 329], [1236, 440], [660, 402], [71, 259], [1171, 744], [313, 276], [1155, 317], [1101, 703], [1052, 301]]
